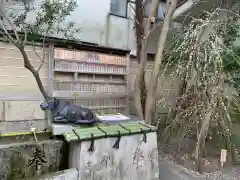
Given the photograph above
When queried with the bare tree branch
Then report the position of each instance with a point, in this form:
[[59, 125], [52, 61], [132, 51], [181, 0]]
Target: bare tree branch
[[12, 27], [35, 73], [151, 99], [25, 36], [143, 34], [130, 4], [5, 32], [229, 11], [20, 45], [49, 14], [41, 57]]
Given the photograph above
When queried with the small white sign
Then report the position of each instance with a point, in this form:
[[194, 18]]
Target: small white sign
[[223, 158], [113, 117]]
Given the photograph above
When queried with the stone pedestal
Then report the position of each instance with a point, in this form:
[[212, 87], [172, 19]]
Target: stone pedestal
[[59, 129], [135, 159], [26, 160]]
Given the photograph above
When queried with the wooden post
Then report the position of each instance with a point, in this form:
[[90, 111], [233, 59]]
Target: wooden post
[[2, 4], [75, 79], [128, 85], [51, 70], [48, 115]]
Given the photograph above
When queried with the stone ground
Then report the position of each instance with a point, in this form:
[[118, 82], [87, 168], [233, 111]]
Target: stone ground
[[232, 174], [169, 170], [179, 164]]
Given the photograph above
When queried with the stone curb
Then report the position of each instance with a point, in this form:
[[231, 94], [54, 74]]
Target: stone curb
[[68, 174], [169, 171]]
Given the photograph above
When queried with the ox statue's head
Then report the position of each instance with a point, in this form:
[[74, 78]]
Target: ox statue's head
[[50, 104]]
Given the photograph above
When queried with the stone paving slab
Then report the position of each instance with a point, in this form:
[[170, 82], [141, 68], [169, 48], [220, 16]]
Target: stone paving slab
[[69, 174], [169, 171], [232, 174]]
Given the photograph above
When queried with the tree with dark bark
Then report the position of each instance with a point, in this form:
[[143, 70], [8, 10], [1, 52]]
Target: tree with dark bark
[[143, 30], [146, 109], [139, 31], [151, 95], [50, 18]]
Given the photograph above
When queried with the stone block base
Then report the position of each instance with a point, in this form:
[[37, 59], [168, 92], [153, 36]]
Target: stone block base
[[25, 160], [69, 174], [134, 159]]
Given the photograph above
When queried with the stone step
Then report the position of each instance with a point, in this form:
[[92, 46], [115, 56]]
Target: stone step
[[68, 174]]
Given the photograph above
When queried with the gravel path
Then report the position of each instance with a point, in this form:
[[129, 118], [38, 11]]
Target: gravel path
[[233, 174], [180, 173]]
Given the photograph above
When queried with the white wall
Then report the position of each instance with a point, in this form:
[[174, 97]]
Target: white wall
[[17, 84], [97, 26], [90, 16]]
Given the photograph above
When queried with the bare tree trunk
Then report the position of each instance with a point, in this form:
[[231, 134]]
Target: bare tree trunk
[[138, 85], [142, 40], [183, 86], [151, 96], [20, 43], [143, 94], [139, 26], [35, 73]]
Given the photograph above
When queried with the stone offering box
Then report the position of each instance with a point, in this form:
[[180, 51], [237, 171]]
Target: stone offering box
[[114, 151]]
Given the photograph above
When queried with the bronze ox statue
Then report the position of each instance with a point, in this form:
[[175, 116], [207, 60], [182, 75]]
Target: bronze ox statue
[[64, 112]]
